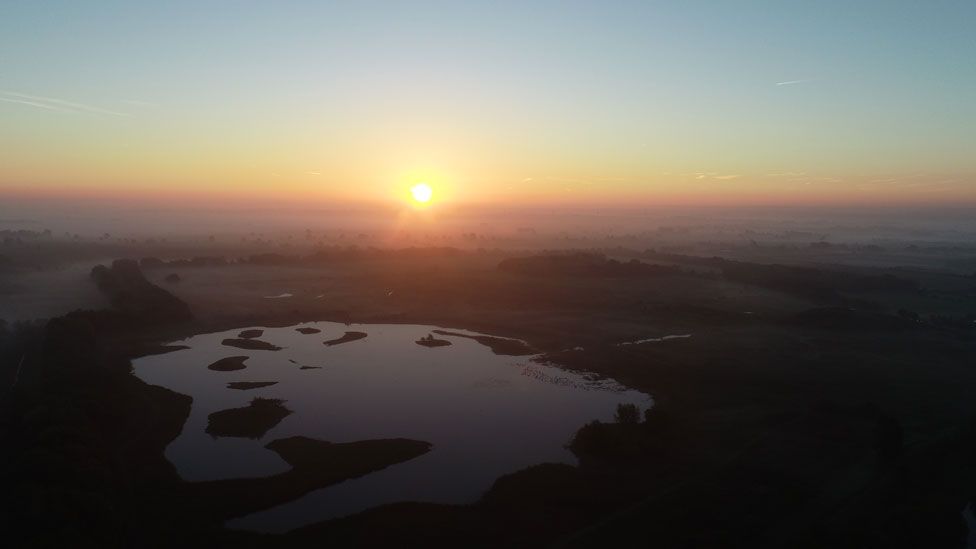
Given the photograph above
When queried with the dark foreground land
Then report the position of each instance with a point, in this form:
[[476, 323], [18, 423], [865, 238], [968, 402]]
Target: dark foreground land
[[811, 406], [251, 421]]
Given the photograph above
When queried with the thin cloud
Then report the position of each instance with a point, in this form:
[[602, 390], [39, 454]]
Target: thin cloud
[[711, 175], [55, 104], [32, 104], [792, 82], [815, 180]]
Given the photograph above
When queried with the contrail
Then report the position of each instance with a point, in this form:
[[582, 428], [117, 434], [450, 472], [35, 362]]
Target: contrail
[[55, 104], [33, 104], [791, 82]]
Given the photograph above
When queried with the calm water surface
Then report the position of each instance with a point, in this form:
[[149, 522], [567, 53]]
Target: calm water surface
[[486, 415]]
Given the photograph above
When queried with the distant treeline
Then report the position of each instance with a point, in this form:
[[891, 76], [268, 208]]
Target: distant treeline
[[814, 282], [583, 264], [805, 281], [9, 236], [325, 255]]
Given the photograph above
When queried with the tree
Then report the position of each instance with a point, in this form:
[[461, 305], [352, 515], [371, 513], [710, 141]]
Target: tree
[[628, 414]]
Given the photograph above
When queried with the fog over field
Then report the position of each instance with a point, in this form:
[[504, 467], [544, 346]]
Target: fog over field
[[864, 224], [48, 248]]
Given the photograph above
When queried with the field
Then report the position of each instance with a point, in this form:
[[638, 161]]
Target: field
[[790, 416]]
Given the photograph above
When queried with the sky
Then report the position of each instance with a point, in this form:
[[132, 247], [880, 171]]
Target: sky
[[602, 102]]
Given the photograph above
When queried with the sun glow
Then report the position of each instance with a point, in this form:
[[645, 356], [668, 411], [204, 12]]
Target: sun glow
[[421, 193]]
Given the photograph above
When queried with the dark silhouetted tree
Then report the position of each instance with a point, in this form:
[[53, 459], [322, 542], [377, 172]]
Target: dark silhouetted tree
[[627, 414]]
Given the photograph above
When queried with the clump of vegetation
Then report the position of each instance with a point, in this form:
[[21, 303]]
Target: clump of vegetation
[[229, 364], [250, 344], [172, 278], [498, 345], [346, 338], [302, 452], [627, 414], [627, 438], [137, 298], [314, 464], [247, 385], [251, 421], [429, 341]]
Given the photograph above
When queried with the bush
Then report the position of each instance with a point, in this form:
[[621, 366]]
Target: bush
[[627, 414], [592, 439]]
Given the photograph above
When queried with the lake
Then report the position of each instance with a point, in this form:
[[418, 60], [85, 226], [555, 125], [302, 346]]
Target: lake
[[486, 415]]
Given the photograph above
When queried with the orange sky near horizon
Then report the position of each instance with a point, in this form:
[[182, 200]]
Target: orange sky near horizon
[[707, 189], [636, 104]]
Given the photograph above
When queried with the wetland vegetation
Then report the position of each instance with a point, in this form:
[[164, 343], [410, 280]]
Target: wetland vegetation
[[852, 387], [251, 421]]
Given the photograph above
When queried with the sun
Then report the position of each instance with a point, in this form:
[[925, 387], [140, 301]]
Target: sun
[[421, 193]]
